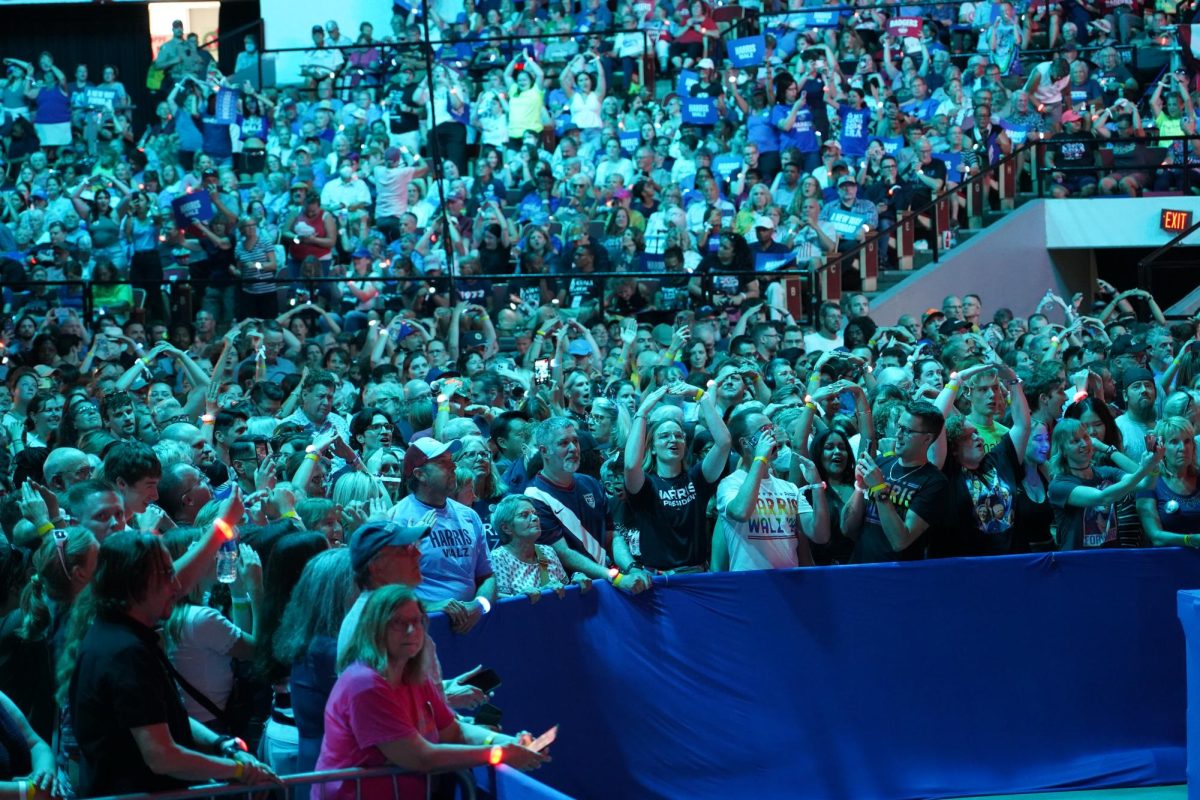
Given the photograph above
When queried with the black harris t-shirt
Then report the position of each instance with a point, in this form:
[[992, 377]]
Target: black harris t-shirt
[[920, 489], [670, 514]]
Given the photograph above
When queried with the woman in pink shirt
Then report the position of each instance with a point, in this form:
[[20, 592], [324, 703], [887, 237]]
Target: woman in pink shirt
[[387, 708]]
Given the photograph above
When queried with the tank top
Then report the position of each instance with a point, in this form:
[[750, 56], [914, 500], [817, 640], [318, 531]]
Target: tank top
[[143, 234], [104, 232], [53, 106], [300, 251]]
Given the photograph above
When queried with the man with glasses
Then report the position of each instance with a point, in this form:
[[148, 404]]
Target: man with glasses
[[764, 522], [891, 519], [65, 467]]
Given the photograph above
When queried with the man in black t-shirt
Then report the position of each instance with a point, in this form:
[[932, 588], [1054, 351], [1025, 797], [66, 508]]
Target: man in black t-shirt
[[892, 520], [1074, 147]]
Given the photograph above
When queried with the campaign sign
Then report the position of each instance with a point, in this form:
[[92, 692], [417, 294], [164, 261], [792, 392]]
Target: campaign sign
[[747, 52], [100, 98], [629, 141], [700, 111], [726, 165], [687, 80], [901, 27], [227, 104], [772, 262], [191, 207], [820, 19]]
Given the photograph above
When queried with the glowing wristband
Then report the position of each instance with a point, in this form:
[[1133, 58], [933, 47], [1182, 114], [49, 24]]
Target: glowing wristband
[[615, 576], [763, 459], [485, 604], [225, 528], [145, 361], [313, 457], [699, 394], [289, 515], [239, 770], [45, 528], [877, 488], [952, 386], [491, 737], [208, 419], [496, 755], [541, 333]]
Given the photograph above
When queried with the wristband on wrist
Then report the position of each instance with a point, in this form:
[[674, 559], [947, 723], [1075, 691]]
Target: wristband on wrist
[[699, 394], [239, 770], [208, 419], [763, 459], [487, 742], [45, 528], [876, 489], [289, 515], [952, 386], [313, 457], [225, 528], [496, 755]]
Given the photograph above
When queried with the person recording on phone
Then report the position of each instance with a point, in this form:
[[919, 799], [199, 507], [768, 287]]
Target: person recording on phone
[[765, 522], [387, 708]]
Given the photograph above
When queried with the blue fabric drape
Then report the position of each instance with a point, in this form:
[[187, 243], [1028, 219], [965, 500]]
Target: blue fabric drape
[[931, 679]]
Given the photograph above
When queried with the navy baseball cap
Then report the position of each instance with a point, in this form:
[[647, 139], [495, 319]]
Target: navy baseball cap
[[371, 537]]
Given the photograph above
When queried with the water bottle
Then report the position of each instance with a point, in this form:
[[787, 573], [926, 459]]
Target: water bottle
[[227, 561]]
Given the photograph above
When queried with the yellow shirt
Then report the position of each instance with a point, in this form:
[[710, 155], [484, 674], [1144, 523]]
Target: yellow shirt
[[525, 112]]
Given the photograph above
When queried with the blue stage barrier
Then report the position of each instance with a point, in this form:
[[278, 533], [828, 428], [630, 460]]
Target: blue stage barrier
[[930, 679], [1189, 616]]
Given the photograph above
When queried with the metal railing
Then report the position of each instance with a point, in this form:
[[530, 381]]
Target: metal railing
[[357, 776]]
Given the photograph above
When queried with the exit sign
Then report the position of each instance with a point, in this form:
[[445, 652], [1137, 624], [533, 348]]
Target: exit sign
[[1175, 221]]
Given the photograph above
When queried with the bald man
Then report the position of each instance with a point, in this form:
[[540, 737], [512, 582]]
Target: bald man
[[188, 434], [182, 492], [65, 467]]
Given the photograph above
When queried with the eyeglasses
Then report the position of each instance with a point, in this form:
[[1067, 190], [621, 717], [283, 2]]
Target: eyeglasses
[[389, 468], [379, 427], [910, 431], [476, 454]]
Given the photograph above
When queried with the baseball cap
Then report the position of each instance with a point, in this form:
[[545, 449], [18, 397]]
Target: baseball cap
[[461, 19], [371, 537], [361, 252], [842, 181], [1127, 345], [1134, 375], [764, 222], [331, 25], [953, 326], [1070, 115], [422, 451], [705, 63], [472, 339], [392, 154], [317, 29], [579, 347], [930, 313]]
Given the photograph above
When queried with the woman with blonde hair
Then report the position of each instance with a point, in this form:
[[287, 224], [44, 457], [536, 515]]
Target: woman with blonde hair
[[1084, 496], [1169, 508], [388, 708]]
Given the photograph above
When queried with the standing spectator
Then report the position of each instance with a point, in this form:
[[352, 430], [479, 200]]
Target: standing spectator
[[765, 522]]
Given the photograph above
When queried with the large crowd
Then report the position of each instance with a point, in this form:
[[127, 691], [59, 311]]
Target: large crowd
[[276, 386]]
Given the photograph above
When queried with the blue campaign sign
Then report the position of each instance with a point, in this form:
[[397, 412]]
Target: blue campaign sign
[[748, 52], [629, 141], [700, 111], [820, 19], [227, 105], [687, 80], [771, 262], [726, 165], [191, 207]]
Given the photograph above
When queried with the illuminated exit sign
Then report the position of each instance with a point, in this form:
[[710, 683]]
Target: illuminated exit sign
[[1175, 221]]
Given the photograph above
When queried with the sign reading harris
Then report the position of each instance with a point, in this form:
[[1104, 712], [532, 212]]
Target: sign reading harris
[[687, 80], [772, 262], [902, 27], [747, 52], [700, 111], [191, 207]]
